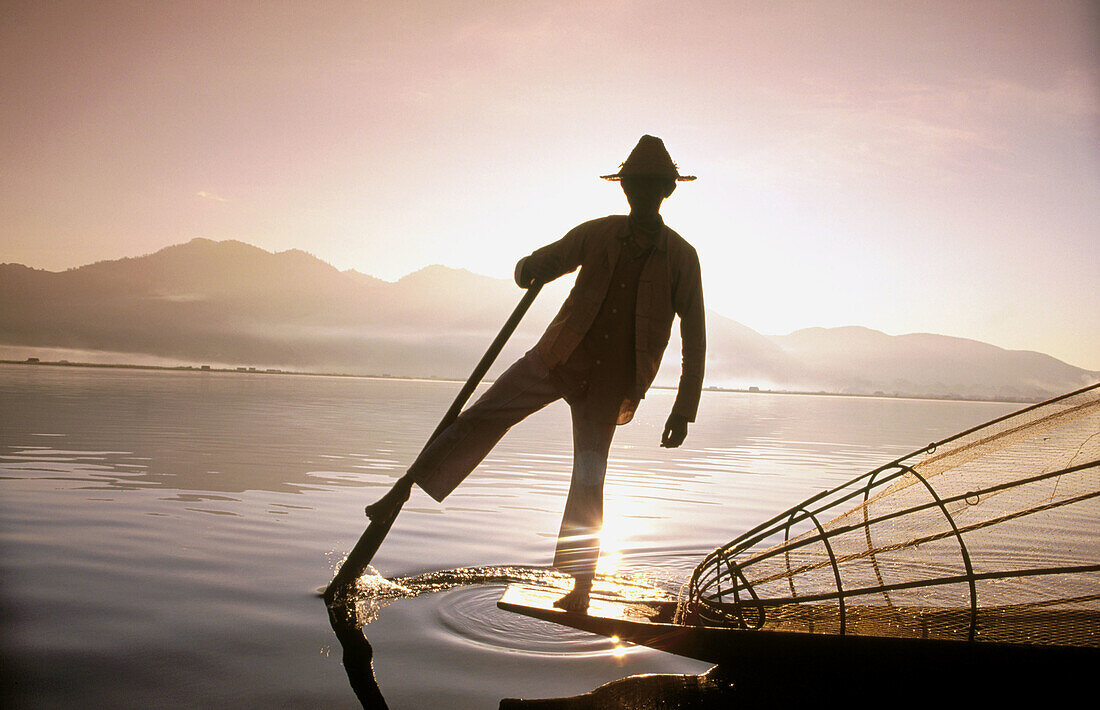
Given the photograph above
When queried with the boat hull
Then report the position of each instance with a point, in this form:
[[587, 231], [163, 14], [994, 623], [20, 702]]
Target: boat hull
[[775, 663]]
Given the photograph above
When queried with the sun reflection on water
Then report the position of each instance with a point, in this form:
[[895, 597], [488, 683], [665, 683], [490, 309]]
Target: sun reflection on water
[[620, 532]]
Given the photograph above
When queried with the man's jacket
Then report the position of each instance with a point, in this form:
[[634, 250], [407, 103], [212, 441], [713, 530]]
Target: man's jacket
[[670, 284]]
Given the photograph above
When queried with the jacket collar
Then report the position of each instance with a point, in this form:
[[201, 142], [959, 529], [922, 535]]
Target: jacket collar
[[662, 233]]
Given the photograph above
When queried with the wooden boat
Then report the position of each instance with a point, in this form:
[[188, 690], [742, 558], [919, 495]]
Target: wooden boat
[[773, 663], [972, 564]]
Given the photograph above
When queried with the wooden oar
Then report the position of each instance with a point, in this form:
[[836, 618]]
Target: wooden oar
[[363, 552]]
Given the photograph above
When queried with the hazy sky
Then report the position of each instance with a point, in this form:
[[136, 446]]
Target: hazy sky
[[907, 166]]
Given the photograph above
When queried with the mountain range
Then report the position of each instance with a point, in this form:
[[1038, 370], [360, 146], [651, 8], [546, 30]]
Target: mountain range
[[231, 303]]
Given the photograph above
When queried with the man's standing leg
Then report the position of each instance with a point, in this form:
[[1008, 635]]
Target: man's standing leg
[[578, 547]]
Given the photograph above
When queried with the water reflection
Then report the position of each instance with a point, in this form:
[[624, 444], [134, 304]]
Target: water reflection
[[233, 432], [641, 692], [358, 656], [209, 432], [656, 691], [165, 524], [476, 617]]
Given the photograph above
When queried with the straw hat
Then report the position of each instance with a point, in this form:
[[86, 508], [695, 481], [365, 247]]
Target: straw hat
[[649, 159]]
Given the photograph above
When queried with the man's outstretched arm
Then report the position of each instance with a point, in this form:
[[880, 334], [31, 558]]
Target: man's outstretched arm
[[688, 302]]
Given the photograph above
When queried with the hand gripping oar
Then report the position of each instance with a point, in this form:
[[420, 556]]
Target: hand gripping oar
[[363, 552]]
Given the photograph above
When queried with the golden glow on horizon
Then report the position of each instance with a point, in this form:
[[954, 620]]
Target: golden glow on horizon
[[909, 168]]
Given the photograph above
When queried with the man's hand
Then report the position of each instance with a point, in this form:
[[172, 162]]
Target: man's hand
[[536, 272], [676, 430]]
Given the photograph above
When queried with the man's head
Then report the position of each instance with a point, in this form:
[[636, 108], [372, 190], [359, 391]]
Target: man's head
[[648, 176], [645, 193]]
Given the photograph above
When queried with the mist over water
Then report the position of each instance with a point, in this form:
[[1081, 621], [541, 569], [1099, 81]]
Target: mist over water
[[164, 533]]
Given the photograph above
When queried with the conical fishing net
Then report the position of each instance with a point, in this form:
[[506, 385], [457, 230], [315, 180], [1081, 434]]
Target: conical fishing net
[[990, 535]]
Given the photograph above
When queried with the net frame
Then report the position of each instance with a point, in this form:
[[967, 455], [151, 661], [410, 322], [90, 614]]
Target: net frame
[[737, 584]]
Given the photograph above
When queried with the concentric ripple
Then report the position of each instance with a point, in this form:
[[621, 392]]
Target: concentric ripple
[[467, 606], [471, 614]]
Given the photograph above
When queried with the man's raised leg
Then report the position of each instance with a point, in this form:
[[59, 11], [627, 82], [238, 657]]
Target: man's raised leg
[[521, 390]]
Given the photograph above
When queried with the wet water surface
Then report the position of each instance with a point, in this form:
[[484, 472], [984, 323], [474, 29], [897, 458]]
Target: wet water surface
[[164, 534]]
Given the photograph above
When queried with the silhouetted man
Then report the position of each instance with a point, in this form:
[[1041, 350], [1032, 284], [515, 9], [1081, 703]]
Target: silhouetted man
[[600, 354]]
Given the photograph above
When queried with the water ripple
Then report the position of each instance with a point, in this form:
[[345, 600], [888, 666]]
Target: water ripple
[[469, 612]]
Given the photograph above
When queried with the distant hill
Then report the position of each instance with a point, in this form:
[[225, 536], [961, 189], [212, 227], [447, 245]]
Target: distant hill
[[861, 360], [235, 304]]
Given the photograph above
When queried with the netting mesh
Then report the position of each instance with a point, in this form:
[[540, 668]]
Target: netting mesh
[[990, 535]]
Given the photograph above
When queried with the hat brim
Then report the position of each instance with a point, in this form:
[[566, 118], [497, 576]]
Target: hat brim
[[617, 177]]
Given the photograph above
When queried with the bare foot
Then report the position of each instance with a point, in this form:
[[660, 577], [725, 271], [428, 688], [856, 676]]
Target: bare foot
[[387, 504], [576, 600]]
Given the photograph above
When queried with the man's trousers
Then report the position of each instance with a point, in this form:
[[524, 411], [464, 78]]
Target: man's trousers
[[523, 389]]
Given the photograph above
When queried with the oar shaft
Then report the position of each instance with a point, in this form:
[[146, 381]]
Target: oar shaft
[[486, 361], [361, 555]]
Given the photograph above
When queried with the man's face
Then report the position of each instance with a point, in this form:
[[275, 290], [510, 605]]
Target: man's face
[[645, 194]]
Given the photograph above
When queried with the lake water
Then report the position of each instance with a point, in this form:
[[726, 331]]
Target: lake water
[[164, 534]]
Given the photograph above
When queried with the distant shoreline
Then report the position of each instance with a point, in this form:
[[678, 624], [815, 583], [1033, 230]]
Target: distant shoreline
[[410, 378]]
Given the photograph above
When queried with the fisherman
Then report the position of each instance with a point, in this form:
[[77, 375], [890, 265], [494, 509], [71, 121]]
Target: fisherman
[[600, 353]]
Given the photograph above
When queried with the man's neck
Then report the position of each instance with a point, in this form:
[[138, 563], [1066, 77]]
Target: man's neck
[[646, 227], [651, 220]]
